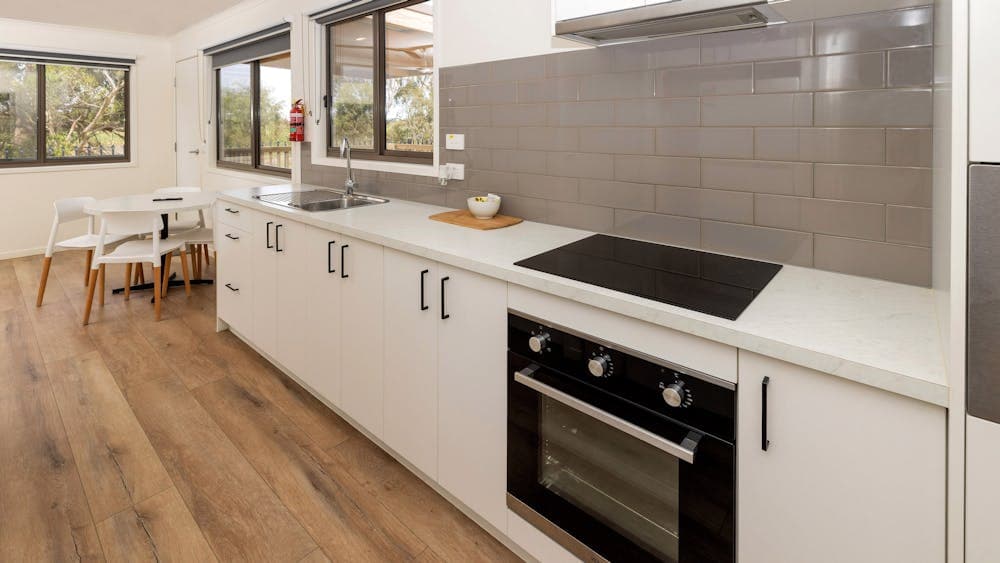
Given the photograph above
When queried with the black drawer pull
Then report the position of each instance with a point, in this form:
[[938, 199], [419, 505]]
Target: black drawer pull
[[343, 270], [231, 237], [443, 314], [231, 288], [423, 277], [764, 442], [267, 228], [329, 257], [233, 211], [277, 245]]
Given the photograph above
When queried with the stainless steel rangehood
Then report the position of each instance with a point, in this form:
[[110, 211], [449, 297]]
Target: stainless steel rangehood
[[674, 17]]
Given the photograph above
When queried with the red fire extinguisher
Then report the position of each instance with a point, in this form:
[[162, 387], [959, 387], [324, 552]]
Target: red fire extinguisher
[[297, 122]]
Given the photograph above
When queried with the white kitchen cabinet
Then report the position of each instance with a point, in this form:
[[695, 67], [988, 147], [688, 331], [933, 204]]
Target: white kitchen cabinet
[[851, 473], [982, 483], [411, 359], [233, 272], [323, 317], [361, 336], [472, 391], [984, 81], [264, 277], [569, 9], [292, 300]]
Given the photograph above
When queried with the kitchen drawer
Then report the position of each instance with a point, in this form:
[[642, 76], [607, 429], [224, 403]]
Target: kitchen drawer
[[233, 279], [232, 215]]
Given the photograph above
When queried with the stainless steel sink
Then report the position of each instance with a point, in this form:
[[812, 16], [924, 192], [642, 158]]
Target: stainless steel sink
[[320, 200]]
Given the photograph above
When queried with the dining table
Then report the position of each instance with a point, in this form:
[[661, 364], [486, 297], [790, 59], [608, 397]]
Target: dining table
[[165, 204]]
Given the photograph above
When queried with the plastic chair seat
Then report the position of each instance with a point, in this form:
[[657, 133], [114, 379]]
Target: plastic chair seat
[[89, 241], [138, 251]]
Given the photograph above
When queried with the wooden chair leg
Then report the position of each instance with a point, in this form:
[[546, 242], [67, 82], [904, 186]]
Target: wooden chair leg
[[91, 286], [156, 291], [44, 280], [128, 280], [86, 273], [195, 261], [142, 272], [204, 247], [100, 283], [165, 281], [184, 271]]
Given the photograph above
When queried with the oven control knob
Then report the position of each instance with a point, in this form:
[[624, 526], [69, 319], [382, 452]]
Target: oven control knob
[[600, 365], [674, 394], [539, 342]]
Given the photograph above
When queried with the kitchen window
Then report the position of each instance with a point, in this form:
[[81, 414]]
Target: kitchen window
[[253, 94], [380, 82], [62, 109]]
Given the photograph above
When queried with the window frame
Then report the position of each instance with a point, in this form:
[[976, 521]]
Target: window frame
[[255, 165], [380, 152], [41, 152]]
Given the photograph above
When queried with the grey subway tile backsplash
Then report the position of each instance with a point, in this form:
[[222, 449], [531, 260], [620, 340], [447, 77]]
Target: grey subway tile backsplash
[[806, 143]]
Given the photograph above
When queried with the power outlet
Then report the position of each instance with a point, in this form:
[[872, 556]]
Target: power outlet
[[453, 171]]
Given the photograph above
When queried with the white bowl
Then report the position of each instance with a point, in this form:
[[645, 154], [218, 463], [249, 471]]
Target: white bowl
[[484, 209]]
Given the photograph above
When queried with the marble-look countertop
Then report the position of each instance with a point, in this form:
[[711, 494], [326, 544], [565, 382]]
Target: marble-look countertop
[[875, 332]]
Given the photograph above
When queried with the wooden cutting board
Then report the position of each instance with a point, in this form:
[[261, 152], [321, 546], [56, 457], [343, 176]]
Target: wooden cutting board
[[464, 218]]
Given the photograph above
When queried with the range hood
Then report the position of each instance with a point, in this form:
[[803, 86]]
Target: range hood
[[673, 17]]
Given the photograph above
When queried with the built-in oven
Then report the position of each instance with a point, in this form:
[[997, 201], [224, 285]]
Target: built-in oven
[[616, 455]]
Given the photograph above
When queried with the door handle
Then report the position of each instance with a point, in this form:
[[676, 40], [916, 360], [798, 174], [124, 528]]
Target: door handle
[[231, 237], [277, 244], [764, 442], [343, 271], [423, 277], [267, 228], [443, 314], [231, 288], [329, 258], [195, 151]]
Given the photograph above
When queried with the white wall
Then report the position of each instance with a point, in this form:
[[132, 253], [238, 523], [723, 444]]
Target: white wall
[[28, 193]]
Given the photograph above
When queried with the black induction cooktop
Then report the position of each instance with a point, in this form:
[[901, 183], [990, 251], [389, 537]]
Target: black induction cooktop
[[717, 285]]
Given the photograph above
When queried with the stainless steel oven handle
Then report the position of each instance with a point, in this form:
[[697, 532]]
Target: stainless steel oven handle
[[684, 452]]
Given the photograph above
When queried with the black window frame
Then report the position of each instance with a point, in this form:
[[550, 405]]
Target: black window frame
[[255, 145], [380, 152], [41, 150]]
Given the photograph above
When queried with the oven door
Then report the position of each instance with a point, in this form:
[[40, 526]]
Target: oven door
[[610, 480]]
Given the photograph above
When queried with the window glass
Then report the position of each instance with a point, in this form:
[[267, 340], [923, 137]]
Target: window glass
[[235, 114], [409, 68], [275, 102], [352, 78], [18, 111]]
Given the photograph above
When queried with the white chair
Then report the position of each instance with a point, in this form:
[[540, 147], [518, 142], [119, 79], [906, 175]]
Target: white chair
[[150, 249], [195, 232], [68, 210]]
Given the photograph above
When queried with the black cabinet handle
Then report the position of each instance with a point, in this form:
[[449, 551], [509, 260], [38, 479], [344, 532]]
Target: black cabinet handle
[[231, 288], [343, 271], [443, 314], [329, 257], [764, 442], [423, 304], [267, 228], [231, 237], [233, 211], [277, 245]]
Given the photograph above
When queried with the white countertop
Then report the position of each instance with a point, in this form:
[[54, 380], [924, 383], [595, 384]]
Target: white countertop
[[874, 332]]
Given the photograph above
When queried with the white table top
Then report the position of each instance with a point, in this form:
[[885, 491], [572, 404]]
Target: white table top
[[144, 202]]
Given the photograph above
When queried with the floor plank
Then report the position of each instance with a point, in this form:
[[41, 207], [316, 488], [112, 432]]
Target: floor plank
[[195, 360], [61, 330], [10, 287], [348, 526], [116, 462], [239, 515], [21, 364], [130, 358], [159, 529]]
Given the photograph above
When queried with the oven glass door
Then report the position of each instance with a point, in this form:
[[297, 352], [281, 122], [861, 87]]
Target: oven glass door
[[624, 484]]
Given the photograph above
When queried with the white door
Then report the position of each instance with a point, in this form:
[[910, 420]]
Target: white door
[[264, 279], [292, 299], [472, 391], [323, 317], [411, 336], [188, 116]]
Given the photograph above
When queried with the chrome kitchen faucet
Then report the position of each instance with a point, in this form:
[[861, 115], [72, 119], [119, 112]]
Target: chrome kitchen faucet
[[345, 152]]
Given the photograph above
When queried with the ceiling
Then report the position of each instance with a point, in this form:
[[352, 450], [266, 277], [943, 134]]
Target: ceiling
[[142, 16]]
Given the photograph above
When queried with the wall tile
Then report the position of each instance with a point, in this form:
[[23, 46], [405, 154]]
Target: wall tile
[[621, 195], [518, 115], [908, 225], [548, 138], [657, 53], [758, 110], [788, 178], [658, 112], [465, 75], [478, 159], [847, 146], [837, 72], [548, 187], [617, 140], [574, 114], [909, 147], [876, 184], [904, 264], [561, 89], [580, 216], [875, 31], [666, 229], [486, 94], [581, 165], [617, 85], [452, 97], [472, 116], [705, 81], [582, 61], [789, 247], [874, 108], [491, 181], [859, 220], [658, 170], [734, 207], [774, 42], [486, 137], [719, 142], [525, 68], [426, 194], [532, 162], [911, 67], [527, 208]]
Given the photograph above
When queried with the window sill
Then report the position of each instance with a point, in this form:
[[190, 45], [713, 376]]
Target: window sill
[[378, 165], [66, 167], [250, 175]]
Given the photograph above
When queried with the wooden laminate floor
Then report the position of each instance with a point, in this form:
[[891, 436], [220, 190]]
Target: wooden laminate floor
[[136, 440]]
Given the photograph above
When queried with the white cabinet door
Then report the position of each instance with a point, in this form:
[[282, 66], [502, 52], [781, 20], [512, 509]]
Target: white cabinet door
[[292, 299], [982, 486], [472, 391], [264, 263], [984, 81], [852, 473], [569, 9], [411, 359], [233, 288], [361, 332], [323, 317]]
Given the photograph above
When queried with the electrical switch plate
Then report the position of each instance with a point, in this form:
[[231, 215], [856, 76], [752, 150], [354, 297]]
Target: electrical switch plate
[[454, 142]]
